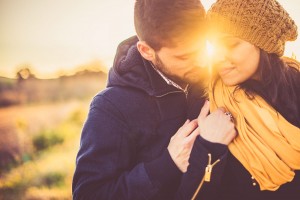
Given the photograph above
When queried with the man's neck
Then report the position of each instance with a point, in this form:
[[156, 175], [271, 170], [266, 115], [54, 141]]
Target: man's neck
[[182, 86]]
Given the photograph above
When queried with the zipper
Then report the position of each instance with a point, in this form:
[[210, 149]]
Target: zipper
[[170, 82], [169, 93], [186, 92], [207, 175]]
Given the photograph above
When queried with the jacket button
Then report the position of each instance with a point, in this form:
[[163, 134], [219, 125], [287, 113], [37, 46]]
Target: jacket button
[[253, 181]]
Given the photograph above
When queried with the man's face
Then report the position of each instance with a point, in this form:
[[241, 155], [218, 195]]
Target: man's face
[[183, 63]]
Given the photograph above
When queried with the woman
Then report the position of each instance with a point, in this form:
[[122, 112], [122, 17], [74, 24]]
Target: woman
[[262, 92]]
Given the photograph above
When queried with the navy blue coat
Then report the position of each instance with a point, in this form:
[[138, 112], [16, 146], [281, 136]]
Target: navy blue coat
[[123, 151]]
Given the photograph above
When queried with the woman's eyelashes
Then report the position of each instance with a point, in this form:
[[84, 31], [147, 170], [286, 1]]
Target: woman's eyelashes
[[231, 44]]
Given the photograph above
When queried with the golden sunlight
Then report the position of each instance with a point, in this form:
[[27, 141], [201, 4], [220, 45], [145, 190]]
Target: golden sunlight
[[87, 31], [209, 49]]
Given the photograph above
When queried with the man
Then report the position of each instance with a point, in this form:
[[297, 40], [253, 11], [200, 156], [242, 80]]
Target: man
[[132, 145]]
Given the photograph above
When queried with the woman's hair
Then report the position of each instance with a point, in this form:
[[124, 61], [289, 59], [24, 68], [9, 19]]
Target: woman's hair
[[278, 84]]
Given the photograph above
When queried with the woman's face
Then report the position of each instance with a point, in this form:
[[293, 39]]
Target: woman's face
[[235, 59]]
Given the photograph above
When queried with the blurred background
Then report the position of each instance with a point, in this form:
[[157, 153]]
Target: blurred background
[[54, 57]]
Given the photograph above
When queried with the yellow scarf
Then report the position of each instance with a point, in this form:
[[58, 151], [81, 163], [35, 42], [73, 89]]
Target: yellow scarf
[[267, 145]]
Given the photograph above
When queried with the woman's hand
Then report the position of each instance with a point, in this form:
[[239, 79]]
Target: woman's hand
[[217, 127]]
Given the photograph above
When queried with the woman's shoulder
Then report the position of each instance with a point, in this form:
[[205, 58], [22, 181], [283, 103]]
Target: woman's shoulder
[[293, 71], [293, 64]]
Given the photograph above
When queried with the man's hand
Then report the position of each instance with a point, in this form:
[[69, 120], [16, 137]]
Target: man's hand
[[216, 127], [181, 144]]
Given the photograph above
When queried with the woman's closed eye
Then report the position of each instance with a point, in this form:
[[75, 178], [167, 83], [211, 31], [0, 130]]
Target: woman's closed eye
[[231, 44]]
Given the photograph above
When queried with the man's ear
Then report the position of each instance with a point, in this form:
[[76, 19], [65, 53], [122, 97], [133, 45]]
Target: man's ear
[[146, 51]]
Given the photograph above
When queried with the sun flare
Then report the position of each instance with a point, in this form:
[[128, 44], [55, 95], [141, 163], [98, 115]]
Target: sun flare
[[210, 49]]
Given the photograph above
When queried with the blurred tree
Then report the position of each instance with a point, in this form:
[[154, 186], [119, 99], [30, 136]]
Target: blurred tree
[[24, 77], [24, 73]]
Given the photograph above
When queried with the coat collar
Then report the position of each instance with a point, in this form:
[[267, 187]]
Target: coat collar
[[130, 69]]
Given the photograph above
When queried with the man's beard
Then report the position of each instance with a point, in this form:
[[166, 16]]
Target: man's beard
[[163, 69], [184, 80]]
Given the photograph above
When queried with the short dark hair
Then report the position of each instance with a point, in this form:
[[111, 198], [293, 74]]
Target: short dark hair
[[158, 22]]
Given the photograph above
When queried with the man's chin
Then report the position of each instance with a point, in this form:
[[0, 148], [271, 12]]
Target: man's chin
[[193, 79]]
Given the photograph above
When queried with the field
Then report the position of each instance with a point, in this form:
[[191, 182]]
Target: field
[[40, 126], [38, 146]]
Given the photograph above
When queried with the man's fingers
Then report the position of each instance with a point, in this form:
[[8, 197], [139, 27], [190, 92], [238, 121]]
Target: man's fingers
[[186, 122], [204, 111], [186, 129], [193, 135]]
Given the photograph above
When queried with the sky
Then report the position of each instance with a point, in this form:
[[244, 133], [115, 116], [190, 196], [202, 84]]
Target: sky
[[58, 35]]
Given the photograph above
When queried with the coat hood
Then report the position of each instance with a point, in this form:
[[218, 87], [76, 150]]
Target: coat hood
[[130, 69]]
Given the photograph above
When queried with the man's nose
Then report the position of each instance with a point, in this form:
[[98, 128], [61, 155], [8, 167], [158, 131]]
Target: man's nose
[[202, 61]]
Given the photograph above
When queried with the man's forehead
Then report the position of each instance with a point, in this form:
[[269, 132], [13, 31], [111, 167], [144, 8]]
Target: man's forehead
[[187, 42], [184, 49]]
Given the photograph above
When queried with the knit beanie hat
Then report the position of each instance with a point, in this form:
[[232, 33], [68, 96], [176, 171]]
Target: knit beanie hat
[[264, 23]]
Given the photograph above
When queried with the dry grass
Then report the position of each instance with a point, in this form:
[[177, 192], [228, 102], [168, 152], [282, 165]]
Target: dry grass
[[45, 174]]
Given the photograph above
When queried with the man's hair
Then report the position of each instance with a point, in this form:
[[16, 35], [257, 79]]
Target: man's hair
[[158, 22]]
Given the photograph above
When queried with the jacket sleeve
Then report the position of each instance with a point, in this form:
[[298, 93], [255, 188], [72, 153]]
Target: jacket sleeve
[[199, 160], [106, 167]]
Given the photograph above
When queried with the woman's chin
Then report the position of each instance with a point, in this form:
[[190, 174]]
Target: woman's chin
[[229, 82]]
